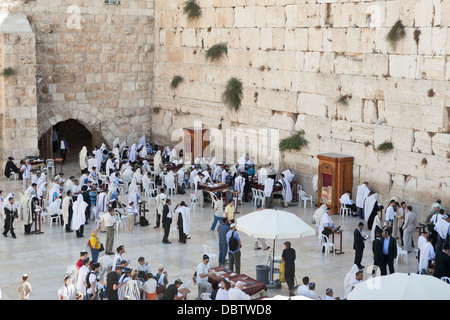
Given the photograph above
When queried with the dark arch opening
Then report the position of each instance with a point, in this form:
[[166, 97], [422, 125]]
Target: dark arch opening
[[76, 136]]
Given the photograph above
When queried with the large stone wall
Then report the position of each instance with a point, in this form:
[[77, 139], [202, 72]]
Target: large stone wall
[[94, 64], [295, 59], [18, 102]]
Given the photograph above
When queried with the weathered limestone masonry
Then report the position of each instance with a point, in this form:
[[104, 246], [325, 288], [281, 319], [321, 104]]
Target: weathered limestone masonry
[[18, 102], [93, 62], [295, 59]]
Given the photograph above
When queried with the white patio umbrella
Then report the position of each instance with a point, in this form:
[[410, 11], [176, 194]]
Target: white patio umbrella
[[274, 224], [401, 286], [281, 297]]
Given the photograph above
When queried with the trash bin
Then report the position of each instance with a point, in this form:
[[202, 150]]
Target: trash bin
[[262, 273]]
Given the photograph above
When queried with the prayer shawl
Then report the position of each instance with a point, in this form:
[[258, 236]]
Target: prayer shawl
[[233, 169], [133, 193], [169, 180], [127, 175], [241, 162], [157, 163], [54, 193], [99, 157], [268, 187], [8, 206], [426, 254], [192, 176], [288, 175], [442, 227], [142, 141], [101, 202], [180, 174], [239, 184], [55, 208], [262, 175], [132, 155], [318, 214], [376, 224], [325, 221], [65, 208], [224, 175], [349, 280], [286, 189], [361, 194], [204, 164], [79, 209], [146, 167], [184, 213], [133, 289], [92, 162], [369, 206], [83, 158], [26, 208], [121, 291], [217, 173], [116, 153], [138, 175]]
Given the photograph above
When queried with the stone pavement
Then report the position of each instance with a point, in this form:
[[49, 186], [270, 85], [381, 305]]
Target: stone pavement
[[46, 257]]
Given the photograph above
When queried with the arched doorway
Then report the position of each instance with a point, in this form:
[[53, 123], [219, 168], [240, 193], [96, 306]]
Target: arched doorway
[[76, 136]]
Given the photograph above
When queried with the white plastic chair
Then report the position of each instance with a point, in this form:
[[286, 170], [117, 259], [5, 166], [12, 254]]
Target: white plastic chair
[[327, 245], [343, 211], [302, 196], [55, 219], [445, 279], [119, 222], [213, 258], [261, 197], [401, 252], [194, 200]]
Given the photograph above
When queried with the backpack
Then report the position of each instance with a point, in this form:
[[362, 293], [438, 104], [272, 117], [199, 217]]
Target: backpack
[[233, 243], [143, 221], [87, 284]]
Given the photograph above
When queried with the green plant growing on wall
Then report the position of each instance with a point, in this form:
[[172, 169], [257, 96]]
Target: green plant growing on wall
[[294, 142], [192, 10], [8, 72], [176, 80], [385, 146], [343, 100], [396, 33], [232, 96], [216, 51]]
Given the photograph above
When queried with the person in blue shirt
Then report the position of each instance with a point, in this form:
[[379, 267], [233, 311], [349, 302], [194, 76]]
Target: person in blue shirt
[[234, 254]]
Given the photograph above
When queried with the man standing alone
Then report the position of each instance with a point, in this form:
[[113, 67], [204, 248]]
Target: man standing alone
[[166, 221], [234, 249], [358, 244], [288, 256]]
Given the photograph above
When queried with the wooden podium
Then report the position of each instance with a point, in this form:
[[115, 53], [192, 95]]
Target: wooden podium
[[335, 178], [195, 142]]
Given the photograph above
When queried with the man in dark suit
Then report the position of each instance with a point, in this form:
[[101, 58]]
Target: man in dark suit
[[389, 252], [166, 221], [442, 262], [377, 249], [358, 244]]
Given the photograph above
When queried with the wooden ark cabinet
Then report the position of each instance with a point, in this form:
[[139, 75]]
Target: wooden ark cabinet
[[335, 177]]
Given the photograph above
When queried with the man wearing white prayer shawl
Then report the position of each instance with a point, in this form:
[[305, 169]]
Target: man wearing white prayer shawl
[[180, 174], [184, 221], [145, 167], [116, 153], [192, 175], [268, 189], [262, 175], [326, 226], [79, 217], [239, 184], [83, 158], [287, 193], [54, 209], [371, 208], [102, 202], [132, 154], [92, 162], [67, 210], [133, 193], [317, 216], [26, 209], [361, 194], [288, 175], [10, 212], [427, 254], [127, 175], [157, 163], [146, 181], [442, 228], [217, 172], [99, 157], [224, 175], [169, 181], [241, 162], [138, 175], [54, 193]]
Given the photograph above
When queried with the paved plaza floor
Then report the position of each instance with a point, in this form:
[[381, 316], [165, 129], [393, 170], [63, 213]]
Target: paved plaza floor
[[46, 257]]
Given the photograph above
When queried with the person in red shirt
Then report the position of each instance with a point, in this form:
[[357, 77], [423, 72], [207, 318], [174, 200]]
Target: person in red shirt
[[83, 255]]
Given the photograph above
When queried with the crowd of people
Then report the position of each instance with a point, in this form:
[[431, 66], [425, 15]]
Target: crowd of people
[[113, 183]]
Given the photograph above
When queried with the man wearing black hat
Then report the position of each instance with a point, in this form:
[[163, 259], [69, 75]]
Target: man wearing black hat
[[288, 256], [11, 167], [166, 221], [442, 262]]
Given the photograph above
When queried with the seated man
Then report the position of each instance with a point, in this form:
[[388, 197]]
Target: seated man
[[348, 203], [11, 167]]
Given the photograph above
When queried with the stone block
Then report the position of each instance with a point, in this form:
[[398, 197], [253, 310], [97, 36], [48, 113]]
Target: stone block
[[440, 145], [422, 142], [403, 139], [382, 134], [312, 104]]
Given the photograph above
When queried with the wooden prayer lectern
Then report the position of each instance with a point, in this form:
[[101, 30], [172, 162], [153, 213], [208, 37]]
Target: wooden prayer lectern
[[335, 178], [195, 142]]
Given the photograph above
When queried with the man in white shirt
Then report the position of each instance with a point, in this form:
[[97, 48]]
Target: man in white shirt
[[390, 214], [109, 218], [202, 276], [26, 174], [348, 202]]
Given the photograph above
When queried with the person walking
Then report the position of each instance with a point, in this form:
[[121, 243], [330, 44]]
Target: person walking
[[10, 209], [288, 256], [358, 244], [234, 249]]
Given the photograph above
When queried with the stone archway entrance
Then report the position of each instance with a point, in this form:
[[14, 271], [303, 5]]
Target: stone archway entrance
[[76, 134]]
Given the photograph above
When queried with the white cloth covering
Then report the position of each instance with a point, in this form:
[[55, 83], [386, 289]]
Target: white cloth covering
[[79, 208], [361, 193]]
